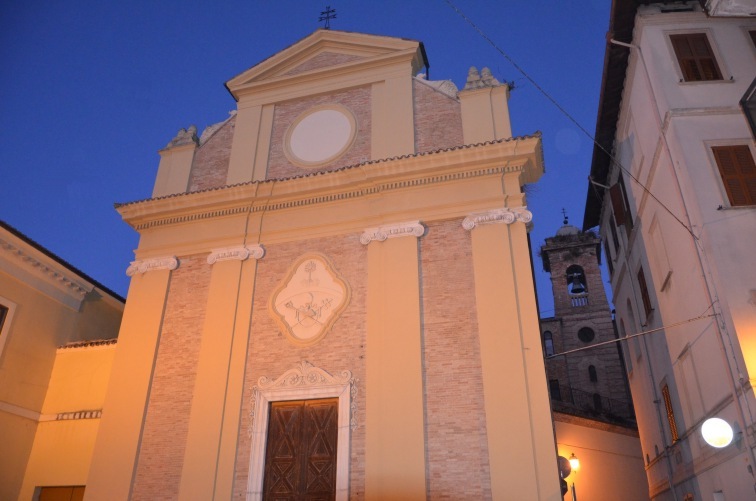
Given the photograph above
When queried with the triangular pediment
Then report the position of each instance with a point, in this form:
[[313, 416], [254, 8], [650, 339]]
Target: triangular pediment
[[326, 50]]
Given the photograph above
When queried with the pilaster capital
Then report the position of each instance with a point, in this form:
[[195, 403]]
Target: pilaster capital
[[409, 229], [507, 216], [238, 253], [152, 264]]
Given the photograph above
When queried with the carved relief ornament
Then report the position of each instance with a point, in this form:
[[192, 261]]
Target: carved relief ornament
[[153, 264], [309, 300], [238, 253], [409, 229], [507, 216]]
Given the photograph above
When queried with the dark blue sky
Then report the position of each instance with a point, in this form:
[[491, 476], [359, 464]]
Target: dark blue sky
[[91, 90]]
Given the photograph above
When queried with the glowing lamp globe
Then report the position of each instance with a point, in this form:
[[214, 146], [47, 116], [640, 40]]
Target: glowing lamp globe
[[717, 432]]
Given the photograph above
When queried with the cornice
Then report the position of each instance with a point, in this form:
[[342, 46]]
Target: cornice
[[329, 79], [39, 271], [521, 156]]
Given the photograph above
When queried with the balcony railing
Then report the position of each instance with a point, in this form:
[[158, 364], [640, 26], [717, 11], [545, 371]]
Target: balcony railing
[[592, 405], [579, 299]]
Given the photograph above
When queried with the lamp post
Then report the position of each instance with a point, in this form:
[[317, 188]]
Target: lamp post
[[575, 465]]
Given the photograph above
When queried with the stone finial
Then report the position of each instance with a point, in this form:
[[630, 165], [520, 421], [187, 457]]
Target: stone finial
[[473, 79], [487, 78], [480, 80], [184, 136]]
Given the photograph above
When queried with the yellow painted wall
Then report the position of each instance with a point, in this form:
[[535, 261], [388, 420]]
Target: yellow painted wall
[[62, 449], [41, 322], [611, 460]]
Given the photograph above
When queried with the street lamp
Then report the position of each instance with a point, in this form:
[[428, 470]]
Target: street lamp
[[575, 465], [717, 432]]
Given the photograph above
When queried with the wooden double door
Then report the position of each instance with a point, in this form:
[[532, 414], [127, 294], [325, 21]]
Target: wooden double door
[[300, 455]]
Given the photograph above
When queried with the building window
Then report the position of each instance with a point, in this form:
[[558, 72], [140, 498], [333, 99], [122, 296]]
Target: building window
[[586, 334], [644, 292], [695, 57], [597, 403], [738, 173], [3, 314], [621, 205], [576, 283], [554, 390], [548, 343], [67, 493], [615, 237], [609, 262], [670, 413], [592, 374]]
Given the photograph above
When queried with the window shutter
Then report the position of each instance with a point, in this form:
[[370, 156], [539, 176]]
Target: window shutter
[[695, 57], [670, 414], [736, 166], [644, 292], [618, 206]]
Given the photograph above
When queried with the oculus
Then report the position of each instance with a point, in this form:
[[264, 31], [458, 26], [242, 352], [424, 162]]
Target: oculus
[[319, 135], [309, 300]]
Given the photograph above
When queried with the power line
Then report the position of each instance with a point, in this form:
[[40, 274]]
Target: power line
[[631, 336], [592, 183]]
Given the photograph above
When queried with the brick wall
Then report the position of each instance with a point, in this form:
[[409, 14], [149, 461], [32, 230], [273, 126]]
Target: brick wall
[[457, 448], [356, 100], [271, 353], [323, 60], [166, 425], [438, 119], [210, 166]]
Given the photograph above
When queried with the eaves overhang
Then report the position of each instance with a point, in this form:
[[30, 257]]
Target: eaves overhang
[[621, 24]]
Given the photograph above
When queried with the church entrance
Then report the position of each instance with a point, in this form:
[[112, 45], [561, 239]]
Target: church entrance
[[300, 456]]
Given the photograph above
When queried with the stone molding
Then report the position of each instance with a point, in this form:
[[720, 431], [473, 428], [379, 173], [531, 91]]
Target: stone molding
[[371, 168], [238, 253], [302, 382], [153, 264], [409, 229], [66, 281], [506, 216]]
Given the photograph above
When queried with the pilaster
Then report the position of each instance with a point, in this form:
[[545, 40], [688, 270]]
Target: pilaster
[[208, 467], [518, 417], [119, 436], [176, 164], [395, 439]]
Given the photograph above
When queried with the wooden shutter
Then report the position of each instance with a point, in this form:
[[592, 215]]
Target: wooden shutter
[[738, 173], [644, 292], [670, 414], [695, 57], [618, 207]]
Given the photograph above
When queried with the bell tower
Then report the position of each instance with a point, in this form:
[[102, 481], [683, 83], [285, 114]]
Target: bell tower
[[591, 381]]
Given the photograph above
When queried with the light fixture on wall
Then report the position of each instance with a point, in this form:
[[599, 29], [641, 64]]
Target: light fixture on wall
[[575, 465], [717, 432]]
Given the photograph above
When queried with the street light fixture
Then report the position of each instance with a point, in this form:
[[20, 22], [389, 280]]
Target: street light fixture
[[717, 432], [575, 465]]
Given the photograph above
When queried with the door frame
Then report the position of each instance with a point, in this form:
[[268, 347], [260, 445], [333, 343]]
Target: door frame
[[304, 382]]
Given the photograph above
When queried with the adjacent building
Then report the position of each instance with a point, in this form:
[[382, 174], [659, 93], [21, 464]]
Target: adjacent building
[[673, 192], [58, 330]]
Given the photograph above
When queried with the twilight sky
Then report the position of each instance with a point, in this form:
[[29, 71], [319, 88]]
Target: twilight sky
[[90, 90]]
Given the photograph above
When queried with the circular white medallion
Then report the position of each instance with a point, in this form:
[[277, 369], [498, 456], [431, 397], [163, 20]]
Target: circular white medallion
[[319, 136]]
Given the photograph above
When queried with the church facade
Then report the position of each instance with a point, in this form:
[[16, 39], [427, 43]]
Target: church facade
[[332, 294]]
